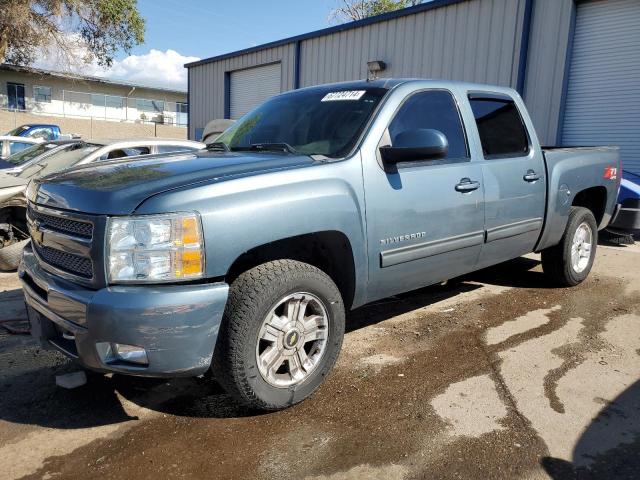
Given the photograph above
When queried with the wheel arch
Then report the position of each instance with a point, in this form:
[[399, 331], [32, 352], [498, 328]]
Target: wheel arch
[[14, 214], [593, 199], [330, 251]]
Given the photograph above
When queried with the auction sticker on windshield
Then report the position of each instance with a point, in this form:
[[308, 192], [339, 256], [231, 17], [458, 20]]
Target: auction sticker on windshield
[[344, 95]]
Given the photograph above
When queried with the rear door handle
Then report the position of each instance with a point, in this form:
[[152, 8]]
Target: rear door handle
[[531, 176], [467, 185]]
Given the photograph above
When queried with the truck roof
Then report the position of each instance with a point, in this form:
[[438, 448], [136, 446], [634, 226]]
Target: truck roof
[[389, 83]]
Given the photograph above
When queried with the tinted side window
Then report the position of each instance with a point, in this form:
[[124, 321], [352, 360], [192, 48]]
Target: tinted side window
[[134, 151], [502, 132], [18, 147], [435, 110], [125, 152], [44, 133], [173, 148]]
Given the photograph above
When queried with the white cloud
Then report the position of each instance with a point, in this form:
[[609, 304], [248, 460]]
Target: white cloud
[[155, 68]]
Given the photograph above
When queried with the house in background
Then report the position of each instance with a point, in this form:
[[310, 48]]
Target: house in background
[[576, 63], [56, 94]]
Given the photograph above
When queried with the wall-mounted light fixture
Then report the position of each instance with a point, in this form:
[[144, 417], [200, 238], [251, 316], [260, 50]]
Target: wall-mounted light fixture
[[374, 67]]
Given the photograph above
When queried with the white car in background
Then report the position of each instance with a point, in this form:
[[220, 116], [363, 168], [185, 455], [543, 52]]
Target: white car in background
[[64, 155], [10, 144]]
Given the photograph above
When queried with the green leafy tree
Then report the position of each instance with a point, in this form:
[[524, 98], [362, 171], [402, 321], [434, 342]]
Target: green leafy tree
[[99, 28], [351, 10]]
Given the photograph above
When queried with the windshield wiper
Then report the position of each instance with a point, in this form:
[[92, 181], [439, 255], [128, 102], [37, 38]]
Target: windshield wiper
[[218, 147], [273, 147]]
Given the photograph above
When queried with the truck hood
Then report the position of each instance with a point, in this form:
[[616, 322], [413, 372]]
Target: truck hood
[[119, 187]]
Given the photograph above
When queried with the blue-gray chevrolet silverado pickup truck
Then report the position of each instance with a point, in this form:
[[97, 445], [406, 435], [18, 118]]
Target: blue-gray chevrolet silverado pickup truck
[[243, 258]]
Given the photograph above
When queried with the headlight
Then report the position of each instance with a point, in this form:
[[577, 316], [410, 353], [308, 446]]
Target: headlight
[[155, 248], [31, 191]]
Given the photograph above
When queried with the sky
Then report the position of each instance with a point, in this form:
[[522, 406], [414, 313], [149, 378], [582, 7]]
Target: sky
[[182, 31]]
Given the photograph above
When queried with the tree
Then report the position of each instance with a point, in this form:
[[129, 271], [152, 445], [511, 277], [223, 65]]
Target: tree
[[97, 29], [350, 10]]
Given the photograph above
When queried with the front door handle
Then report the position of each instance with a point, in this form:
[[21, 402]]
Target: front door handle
[[531, 176], [467, 185]]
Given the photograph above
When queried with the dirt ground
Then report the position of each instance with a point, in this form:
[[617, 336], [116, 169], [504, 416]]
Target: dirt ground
[[493, 376]]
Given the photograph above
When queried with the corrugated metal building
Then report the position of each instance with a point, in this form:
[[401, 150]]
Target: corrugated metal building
[[575, 62]]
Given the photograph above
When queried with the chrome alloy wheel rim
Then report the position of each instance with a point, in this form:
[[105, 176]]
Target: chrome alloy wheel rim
[[292, 339], [581, 248]]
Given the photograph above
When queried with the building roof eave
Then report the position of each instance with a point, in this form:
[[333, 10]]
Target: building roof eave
[[84, 78], [422, 7]]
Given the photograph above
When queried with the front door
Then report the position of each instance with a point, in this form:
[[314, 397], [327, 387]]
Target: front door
[[15, 96], [514, 179], [425, 219]]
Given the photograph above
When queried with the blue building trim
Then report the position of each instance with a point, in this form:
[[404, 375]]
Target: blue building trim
[[188, 105], [422, 7], [227, 95], [524, 47], [296, 66], [567, 69]]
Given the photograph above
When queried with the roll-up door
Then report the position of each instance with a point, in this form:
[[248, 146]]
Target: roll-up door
[[252, 86], [603, 95]]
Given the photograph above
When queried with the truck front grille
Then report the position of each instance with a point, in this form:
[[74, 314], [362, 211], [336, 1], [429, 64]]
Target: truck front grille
[[68, 262], [62, 225]]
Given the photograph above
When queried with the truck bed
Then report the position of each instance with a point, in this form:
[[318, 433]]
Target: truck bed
[[577, 169]]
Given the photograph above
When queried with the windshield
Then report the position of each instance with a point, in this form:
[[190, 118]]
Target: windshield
[[320, 121], [60, 160], [17, 131], [30, 153]]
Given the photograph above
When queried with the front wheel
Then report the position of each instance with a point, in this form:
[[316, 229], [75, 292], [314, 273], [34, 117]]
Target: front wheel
[[281, 334], [570, 262]]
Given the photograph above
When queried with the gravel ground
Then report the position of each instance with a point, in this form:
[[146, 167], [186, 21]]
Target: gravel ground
[[492, 376]]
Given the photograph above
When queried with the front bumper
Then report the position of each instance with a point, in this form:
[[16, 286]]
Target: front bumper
[[177, 325]]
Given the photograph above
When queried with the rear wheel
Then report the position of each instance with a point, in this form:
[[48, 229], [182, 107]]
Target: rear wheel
[[281, 334], [570, 262]]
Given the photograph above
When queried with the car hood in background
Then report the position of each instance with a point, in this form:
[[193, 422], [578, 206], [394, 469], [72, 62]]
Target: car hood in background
[[119, 187], [11, 189], [7, 181]]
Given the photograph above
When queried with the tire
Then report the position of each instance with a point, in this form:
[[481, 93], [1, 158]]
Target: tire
[[558, 263], [267, 292], [10, 256]]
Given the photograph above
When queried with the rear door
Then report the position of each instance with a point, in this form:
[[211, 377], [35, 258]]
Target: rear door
[[425, 219], [514, 177]]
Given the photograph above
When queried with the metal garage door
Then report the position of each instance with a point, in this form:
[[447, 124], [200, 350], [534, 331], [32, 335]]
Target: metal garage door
[[250, 87], [603, 95]]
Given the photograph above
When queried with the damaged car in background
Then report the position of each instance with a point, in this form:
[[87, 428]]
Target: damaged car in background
[[50, 157]]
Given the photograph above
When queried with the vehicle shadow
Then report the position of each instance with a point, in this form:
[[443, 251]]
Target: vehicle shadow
[[28, 394], [12, 305], [609, 448], [518, 273]]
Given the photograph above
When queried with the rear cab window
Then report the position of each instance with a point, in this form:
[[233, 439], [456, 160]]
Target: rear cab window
[[174, 148], [125, 152], [502, 131]]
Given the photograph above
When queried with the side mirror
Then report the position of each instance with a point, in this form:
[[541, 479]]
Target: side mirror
[[415, 145]]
